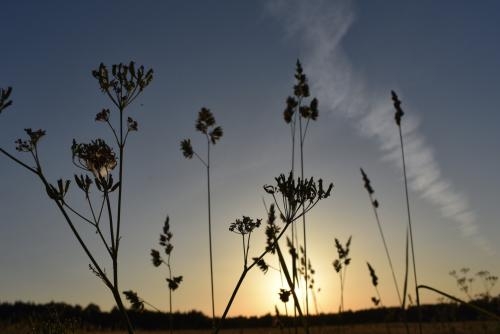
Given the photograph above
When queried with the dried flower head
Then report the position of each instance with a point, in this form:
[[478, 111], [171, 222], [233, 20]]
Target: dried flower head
[[373, 275], [216, 134], [297, 196], [301, 89], [96, 157], [271, 230], [284, 295], [136, 302], [30, 144], [102, 116], [366, 180], [397, 104], [343, 252], [337, 265], [174, 283], [205, 120], [59, 192], [311, 111], [245, 225], [125, 83], [291, 104], [156, 258], [131, 124], [83, 183], [187, 149], [263, 266]]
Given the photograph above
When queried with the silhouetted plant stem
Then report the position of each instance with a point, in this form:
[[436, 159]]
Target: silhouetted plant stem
[[375, 205], [245, 271], [18, 161], [399, 114], [205, 123], [306, 278], [95, 266], [158, 260], [210, 232], [290, 282], [113, 286], [122, 85], [340, 265], [471, 305], [296, 111]]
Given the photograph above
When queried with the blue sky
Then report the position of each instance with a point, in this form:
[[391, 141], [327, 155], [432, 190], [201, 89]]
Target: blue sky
[[238, 58]]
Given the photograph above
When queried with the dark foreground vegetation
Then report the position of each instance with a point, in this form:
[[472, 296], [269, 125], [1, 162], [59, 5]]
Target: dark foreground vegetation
[[92, 317]]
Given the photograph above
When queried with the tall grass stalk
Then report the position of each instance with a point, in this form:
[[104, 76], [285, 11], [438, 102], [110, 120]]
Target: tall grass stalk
[[340, 265], [375, 205], [397, 117], [157, 259], [206, 124], [296, 110]]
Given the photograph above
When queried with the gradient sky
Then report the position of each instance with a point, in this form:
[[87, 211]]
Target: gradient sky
[[237, 58]]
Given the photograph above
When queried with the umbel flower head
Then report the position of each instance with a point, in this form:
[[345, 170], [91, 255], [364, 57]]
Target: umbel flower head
[[125, 83], [245, 225], [297, 196], [30, 144], [96, 157]]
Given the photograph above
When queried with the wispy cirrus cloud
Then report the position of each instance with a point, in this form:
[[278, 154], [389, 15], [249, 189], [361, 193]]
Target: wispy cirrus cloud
[[320, 27]]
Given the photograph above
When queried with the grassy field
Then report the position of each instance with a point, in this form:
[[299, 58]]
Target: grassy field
[[470, 327]]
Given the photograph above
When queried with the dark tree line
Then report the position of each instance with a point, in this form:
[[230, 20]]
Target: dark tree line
[[92, 317]]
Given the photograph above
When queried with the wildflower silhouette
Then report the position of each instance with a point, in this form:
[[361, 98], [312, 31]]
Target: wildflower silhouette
[[292, 198], [205, 124], [122, 85], [245, 227]]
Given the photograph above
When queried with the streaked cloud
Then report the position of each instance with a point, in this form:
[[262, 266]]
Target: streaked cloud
[[319, 27]]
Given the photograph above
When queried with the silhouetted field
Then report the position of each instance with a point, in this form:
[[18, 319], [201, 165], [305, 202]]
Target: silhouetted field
[[483, 327]]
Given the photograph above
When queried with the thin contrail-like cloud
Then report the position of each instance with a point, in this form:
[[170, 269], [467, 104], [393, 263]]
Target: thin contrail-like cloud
[[319, 27]]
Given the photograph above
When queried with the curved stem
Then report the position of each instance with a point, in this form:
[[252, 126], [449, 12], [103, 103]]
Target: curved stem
[[78, 214], [242, 277], [31, 169], [477, 308]]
